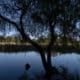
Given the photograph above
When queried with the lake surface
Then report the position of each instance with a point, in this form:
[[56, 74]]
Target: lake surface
[[12, 65]]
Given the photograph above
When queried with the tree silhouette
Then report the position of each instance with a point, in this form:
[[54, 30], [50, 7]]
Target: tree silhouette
[[46, 13]]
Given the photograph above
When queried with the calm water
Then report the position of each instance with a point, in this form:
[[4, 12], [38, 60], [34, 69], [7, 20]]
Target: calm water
[[12, 65]]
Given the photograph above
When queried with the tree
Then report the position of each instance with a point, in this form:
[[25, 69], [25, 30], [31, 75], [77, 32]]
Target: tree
[[46, 14], [63, 14], [17, 9]]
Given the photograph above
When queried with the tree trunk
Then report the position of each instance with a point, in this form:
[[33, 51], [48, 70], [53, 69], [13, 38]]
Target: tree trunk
[[38, 47], [51, 44]]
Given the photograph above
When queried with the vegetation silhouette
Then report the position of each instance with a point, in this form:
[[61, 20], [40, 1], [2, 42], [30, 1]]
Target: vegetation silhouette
[[36, 16]]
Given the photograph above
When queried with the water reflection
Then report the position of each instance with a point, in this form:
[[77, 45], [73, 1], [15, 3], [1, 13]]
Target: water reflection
[[12, 66]]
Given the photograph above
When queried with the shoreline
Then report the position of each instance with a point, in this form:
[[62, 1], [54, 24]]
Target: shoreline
[[24, 48]]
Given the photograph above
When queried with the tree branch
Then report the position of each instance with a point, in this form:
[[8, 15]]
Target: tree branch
[[22, 31], [36, 45], [9, 21]]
